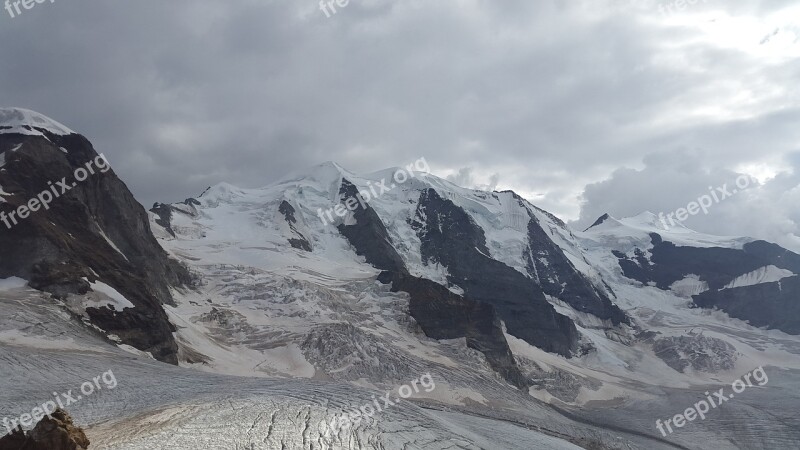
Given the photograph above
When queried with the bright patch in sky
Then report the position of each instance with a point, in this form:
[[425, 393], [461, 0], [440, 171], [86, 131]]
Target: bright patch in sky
[[762, 172], [773, 37]]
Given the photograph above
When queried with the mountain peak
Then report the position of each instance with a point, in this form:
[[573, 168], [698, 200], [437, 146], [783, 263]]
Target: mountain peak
[[25, 121], [332, 165], [328, 172], [599, 221], [644, 221]]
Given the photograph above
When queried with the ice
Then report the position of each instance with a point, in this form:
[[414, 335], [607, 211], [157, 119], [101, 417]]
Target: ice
[[17, 120]]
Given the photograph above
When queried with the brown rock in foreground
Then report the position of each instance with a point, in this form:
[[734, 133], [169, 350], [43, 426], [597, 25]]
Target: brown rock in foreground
[[58, 433]]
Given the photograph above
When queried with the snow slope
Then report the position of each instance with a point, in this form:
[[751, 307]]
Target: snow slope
[[267, 309], [27, 122], [275, 340], [158, 406]]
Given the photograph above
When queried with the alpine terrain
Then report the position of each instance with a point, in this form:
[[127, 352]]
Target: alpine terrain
[[389, 310]]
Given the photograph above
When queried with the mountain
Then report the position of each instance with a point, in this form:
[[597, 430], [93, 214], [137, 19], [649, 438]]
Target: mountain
[[82, 237], [288, 306], [749, 279], [460, 239]]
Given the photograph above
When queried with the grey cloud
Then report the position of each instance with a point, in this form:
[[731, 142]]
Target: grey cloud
[[547, 98], [672, 181]]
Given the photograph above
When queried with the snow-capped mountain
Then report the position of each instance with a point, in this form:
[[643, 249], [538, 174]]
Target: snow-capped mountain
[[750, 280], [420, 233], [553, 310], [328, 287], [71, 237]]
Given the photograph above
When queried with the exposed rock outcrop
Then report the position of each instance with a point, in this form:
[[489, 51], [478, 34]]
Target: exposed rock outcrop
[[93, 230], [449, 236], [547, 264], [299, 241], [445, 315], [441, 313], [772, 304], [368, 235], [56, 432]]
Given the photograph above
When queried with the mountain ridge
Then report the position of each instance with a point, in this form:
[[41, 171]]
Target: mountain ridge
[[508, 308]]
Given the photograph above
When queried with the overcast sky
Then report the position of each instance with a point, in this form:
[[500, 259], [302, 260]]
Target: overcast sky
[[583, 107]]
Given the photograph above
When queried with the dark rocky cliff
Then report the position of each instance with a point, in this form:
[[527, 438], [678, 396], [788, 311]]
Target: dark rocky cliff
[[557, 276], [449, 236], [95, 230], [445, 315], [298, 241], [440, 313], [773, 305], [368, 235]]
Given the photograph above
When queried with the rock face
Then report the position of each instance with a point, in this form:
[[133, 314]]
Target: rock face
[[164, 213], [441, 313], [450, 237], [299, 240], [772, 303], [368, 235], [558, 277], [56, 433], [598, 222], [92, 231], [445, 315]]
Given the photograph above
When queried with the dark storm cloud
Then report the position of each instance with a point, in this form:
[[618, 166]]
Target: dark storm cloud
[[546, 97]]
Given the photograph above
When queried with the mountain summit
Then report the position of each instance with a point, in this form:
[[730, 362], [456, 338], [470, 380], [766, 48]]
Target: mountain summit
[[27, 122]]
